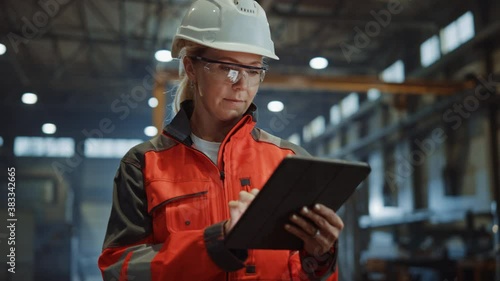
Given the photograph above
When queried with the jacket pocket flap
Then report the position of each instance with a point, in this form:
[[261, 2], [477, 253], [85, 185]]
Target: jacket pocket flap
[[161, 192]]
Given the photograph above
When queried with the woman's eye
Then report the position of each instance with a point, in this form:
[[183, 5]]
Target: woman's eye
[[224, 68], [253, 72]]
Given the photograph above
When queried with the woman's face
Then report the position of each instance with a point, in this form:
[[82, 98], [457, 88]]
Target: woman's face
[[215, 96]]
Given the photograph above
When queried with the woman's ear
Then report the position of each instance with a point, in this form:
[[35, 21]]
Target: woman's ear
[[189, 68]]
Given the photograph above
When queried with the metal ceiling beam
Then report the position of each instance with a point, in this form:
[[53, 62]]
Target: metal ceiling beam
[[102, 18], [266, 5], [328, 19], [80, 38], [95, 50], [356, 84], [279, 31], [57, 52], [13, 58], [70, 60], [107, 61], [156, 28], [146, 17], [363, 84], [85, 26], [387, 52], [166, 2]]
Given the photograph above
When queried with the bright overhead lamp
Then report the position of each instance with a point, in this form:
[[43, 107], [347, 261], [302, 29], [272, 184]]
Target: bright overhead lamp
[[29, 98], [150, 131], [3, 49], [275, 106], [318, 63], [49, 128], [153, 102], [163, 56]]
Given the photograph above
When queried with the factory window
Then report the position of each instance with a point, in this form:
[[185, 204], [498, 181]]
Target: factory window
[[318, 126], [449, 38], [373, 94], [394, 73], [349, 105], [335, 114], [108, 148], [1, 141], [314, 129], [295, 138], [44, 147], [465, 24], [457, 33], [429, 51]]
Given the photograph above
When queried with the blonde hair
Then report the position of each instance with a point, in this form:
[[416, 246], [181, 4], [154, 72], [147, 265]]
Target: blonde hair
[[184, 90]]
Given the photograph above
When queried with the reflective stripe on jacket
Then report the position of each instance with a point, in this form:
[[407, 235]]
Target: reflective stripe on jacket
[[170, 202]]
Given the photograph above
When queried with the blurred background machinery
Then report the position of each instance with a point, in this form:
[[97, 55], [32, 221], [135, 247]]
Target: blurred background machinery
[[409, 86]]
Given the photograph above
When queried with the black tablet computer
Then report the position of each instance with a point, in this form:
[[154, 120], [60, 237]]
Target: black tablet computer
[[296, 182]]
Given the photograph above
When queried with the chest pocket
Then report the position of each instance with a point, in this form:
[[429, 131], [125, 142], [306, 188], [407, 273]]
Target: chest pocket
[[178, 206]]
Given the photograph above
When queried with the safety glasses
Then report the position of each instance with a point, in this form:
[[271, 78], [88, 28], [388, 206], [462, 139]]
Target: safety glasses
[[231, 73]]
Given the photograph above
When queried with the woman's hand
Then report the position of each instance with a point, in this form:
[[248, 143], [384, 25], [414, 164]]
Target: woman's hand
[[237, 208], [319, 232]]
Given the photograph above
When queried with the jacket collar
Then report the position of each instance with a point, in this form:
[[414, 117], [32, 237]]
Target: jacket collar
[[180, 127]]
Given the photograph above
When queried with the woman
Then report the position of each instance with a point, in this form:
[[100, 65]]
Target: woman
[[176, 196]]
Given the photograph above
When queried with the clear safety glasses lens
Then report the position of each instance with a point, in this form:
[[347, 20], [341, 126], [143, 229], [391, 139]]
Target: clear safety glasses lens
[[232, 73]]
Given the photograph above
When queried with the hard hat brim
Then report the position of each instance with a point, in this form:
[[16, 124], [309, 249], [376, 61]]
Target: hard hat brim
[[224, 46]]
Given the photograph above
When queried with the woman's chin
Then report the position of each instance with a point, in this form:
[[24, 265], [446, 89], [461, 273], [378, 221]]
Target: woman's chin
[[230, 115]]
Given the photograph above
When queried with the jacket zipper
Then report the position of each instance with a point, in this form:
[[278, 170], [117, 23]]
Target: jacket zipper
[[221, 173], [222, 177], [220, 168], [178, 198]]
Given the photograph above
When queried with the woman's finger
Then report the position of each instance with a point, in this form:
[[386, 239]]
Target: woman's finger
[[246, 197], [316, 245], [233, 204], [307, 227], [254, 191], [299, 232], [329, 215], [331, 232]]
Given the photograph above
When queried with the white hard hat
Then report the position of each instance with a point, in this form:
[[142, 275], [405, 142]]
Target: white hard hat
[[229, 25]]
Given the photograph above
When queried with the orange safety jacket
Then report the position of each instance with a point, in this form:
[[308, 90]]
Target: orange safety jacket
[[170, 202]]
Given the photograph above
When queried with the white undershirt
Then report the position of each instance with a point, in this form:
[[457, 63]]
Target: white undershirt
[[210, 149]]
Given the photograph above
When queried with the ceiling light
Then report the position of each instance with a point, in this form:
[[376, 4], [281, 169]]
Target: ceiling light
[[3, 49], [163, 56], [49, 128], [150, 131], [29, 98], [275, 106], [153, 102], [318, 63]]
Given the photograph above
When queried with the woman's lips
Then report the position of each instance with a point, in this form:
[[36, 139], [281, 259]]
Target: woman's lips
[[234, 103], [234, 100]]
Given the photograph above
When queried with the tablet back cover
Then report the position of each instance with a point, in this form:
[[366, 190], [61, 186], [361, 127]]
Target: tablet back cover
[[297, 182]]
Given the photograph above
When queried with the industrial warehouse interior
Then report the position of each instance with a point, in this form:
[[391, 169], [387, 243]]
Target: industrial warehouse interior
[[409, 87]]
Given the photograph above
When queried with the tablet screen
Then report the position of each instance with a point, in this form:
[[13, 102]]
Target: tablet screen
[[296, 182]]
